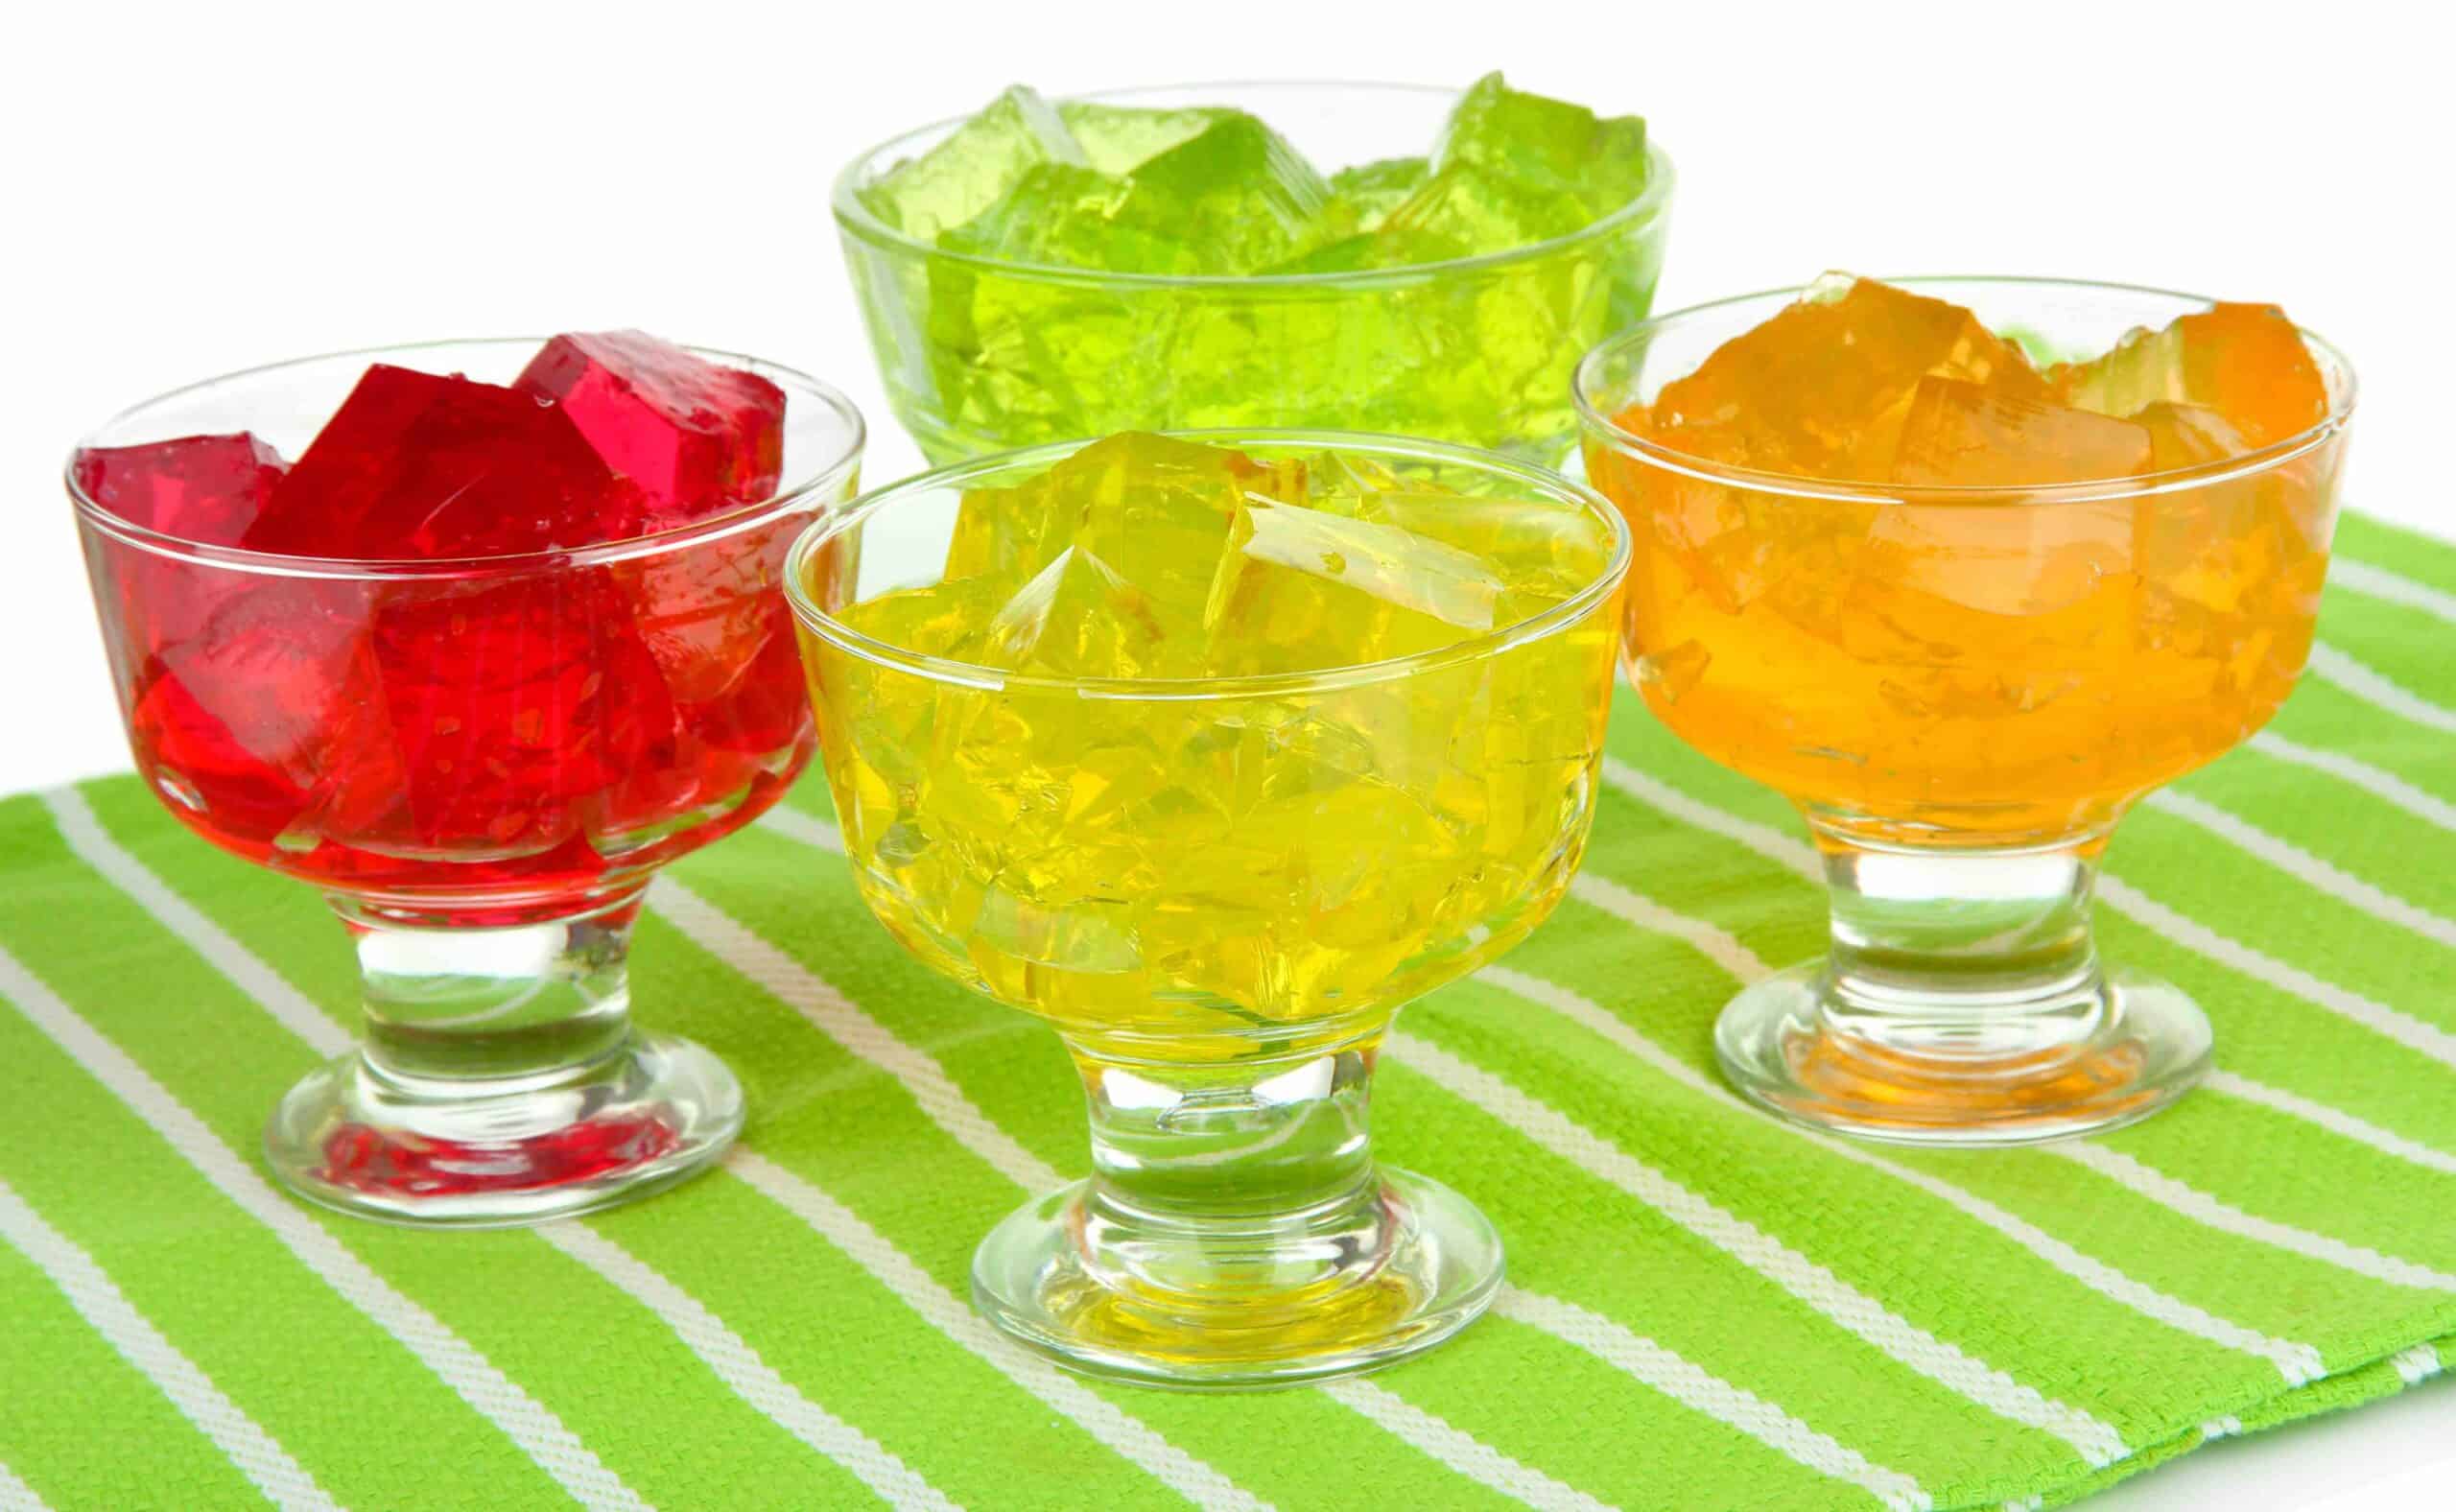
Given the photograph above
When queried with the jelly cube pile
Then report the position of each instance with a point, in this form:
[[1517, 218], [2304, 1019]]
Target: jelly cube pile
[[524, 721], [1216, 239], [1146, 557], [1861, 381], [1215, 191], [1172, 860], [2019, 665]]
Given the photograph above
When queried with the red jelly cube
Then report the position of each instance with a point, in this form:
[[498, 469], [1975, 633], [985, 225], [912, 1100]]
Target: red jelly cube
[[250, 695], [207, 488], [722, 631], [695, 435], [515, 702], [705, 611], [263, 720], [417, 465], [768, 708], [716, 624], [205, 769]]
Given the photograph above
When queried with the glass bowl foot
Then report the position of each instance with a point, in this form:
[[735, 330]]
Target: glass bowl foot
[[494, 1153], [1946, 1071], [1222, 1305]]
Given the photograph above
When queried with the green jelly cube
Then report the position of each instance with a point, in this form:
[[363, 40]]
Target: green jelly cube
[[1363, 197], [1118, 139], [971, 167], [1356, 361], [1540, 144], [1061, 213], [1236, 195], [1024, 358], [1033, 357], [1465, 210], [1346, 255], [1231, 198]]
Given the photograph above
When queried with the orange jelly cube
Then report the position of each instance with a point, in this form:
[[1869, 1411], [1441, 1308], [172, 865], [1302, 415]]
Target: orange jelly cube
[[2188, 435], [2246, 362], [1823, 387], [1964, 434], [2011, 558]]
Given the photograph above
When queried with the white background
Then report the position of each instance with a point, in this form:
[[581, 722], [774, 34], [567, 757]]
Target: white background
[[193, 189]]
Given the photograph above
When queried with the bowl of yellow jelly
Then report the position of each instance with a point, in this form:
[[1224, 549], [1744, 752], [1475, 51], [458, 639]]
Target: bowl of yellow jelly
[[1213, 750]]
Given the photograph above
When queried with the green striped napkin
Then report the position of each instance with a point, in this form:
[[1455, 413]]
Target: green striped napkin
[[1707, 1308]]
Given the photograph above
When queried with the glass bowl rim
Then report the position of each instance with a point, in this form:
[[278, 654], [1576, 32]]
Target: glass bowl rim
[[1587, 377], [1590, 597], [95, 515], [855, 218]]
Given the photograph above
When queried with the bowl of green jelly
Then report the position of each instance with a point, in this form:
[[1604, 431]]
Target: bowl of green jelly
[[1367, 257]]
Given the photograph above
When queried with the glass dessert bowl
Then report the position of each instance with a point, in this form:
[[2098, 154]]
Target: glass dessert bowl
[[1964, 613], [985, 350], [1218, 889], [479, 760]]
